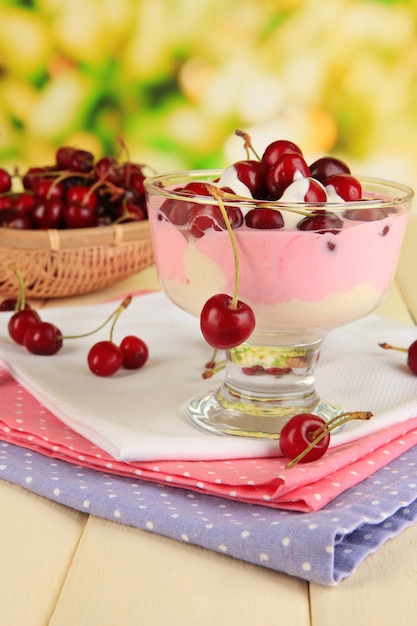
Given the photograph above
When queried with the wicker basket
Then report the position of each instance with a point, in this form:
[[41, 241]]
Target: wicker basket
[[57, 263]]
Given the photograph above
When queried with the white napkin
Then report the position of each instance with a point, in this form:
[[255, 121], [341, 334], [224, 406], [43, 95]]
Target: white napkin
[[139, 415]]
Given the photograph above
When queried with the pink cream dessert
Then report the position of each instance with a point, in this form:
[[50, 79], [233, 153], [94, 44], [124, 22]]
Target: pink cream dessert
[[325, 265]]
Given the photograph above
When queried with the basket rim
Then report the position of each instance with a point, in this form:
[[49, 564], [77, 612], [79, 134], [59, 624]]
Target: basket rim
[[57, 239]]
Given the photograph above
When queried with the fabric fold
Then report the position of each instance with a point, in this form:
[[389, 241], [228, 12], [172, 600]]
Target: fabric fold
[[323, 547], [264, 480]]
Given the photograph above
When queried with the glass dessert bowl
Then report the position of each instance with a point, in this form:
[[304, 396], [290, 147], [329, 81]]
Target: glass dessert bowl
[[319, 266]]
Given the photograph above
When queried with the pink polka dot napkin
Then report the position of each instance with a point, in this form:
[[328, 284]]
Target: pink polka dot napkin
[[305, 487], [132, 424]]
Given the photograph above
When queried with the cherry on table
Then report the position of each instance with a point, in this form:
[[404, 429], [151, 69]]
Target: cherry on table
[[20, 322], [299, 432], [104, 358], [135, 352], [411, 353], [43, 338]]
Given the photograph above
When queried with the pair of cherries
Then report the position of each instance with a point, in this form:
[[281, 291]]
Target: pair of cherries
[[104, 358]]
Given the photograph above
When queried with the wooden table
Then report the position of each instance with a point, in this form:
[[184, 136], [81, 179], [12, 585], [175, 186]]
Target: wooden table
[[64, 568]]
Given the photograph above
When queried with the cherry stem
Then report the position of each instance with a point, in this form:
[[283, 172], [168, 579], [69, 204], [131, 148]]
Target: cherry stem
[[217, 195], [331, 425], [388, 346], [248, 144], [124, 147], [21, 298], [62, 176], [117, 314], [212, 363], [113, 316], [211, 371]]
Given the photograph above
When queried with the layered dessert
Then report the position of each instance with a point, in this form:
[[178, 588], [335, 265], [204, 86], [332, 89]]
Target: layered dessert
[[295, 278]]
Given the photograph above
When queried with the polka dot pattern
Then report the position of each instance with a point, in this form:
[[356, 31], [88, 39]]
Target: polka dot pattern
[[26, 422], [324, 546]]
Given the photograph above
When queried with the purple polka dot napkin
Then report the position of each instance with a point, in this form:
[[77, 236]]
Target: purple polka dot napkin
[[324, 547]]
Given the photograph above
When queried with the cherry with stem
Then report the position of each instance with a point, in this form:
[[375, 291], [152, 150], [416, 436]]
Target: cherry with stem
[[306, 436], [226, 321], [411, 352], [23, 317]]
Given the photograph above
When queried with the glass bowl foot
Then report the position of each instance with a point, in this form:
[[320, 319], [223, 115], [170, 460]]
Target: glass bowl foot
[[262, 420]]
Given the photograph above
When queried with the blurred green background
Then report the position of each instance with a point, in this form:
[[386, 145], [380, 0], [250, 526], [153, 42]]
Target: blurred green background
[[174, 78]]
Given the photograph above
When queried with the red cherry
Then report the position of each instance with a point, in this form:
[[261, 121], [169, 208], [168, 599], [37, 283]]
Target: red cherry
[[13, 218], [196, 188], [177, 211], [223, 326], [276, 149], [78, 215], [6, 202], [299, 432], [252, 174], [366, 215], [322, 222], [24, 201], [48, 213], [43, 338], [32, 175], [135, 352], [306, 189], [288, 168], [47, 188], [63, 157], [20, 322], [411, 354], [327, 166], [108, 168], [83, 195], [264, 218], [104, 358], [202, 217], [10, 304], [81, 161], [346, 186], [5, 181]]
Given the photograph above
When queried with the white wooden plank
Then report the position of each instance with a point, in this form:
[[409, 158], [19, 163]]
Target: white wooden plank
[[382, 591], [126, 576], [38, 539]]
